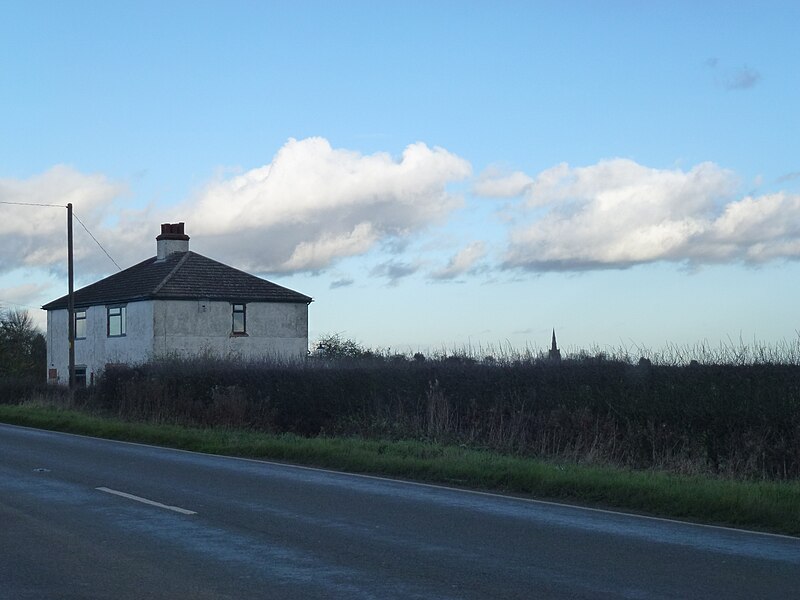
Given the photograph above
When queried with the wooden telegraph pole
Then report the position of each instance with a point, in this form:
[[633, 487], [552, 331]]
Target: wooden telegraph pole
[[70, 301]]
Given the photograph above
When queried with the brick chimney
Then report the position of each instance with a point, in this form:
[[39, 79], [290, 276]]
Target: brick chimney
[[171, 240]]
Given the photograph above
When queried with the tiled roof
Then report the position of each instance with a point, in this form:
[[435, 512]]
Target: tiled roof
[[181, 276]]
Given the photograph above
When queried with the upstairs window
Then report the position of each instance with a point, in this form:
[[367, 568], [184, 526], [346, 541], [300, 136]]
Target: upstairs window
[[239, 319], [116, 321], [80, 324]]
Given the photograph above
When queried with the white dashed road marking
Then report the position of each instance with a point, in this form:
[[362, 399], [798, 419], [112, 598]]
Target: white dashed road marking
[[177, 509]]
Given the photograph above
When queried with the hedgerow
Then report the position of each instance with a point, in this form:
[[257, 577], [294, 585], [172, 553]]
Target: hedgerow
[[740, 419]]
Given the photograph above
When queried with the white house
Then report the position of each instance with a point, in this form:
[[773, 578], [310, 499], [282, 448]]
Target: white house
[[175, 303]]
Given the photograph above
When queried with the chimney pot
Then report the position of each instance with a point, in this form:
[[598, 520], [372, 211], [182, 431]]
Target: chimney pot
[[172, 239]]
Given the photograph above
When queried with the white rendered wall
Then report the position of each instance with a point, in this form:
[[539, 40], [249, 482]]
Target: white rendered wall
[[57, 344], [97, 349], [178, 327], [134, 347], [197, 327]]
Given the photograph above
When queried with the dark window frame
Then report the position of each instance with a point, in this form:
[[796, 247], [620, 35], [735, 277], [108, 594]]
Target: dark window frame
[[238, 308], [122, 315], [80, 315]]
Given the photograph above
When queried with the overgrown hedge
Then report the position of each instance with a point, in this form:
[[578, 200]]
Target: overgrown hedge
[[733, 420], [18, 389]]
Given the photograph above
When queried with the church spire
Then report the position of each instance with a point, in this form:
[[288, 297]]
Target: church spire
[[555, 353]]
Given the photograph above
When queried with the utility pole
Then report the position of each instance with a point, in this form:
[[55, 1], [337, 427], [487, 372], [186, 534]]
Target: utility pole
[[70, 301]]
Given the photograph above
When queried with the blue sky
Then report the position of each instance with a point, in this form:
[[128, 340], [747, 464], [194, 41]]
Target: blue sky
[[434, 174]]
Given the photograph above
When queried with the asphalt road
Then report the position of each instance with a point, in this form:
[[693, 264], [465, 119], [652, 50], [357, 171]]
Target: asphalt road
[[88, 518]]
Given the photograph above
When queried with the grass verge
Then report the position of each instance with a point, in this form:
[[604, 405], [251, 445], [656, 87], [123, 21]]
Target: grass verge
[[770, 506]]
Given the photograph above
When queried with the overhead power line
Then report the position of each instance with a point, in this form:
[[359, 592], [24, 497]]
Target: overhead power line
[[95, 241], [33, 204], [76, 217]]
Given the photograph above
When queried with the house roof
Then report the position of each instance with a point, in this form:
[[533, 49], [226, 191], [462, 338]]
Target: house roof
[[180, 276]]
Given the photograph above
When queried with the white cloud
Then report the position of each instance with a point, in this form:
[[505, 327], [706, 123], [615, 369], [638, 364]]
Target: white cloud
[[618, 213], [757, 229], [310, 206], [462, 261], [35, 236], [495, 184], [319, 253], [314, 204]]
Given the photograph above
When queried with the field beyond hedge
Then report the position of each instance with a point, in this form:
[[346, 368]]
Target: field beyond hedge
[[730, 420]]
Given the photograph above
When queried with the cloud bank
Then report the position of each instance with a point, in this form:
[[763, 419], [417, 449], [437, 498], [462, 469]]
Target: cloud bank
[[617, 213], [314, 204], [307, 208]]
